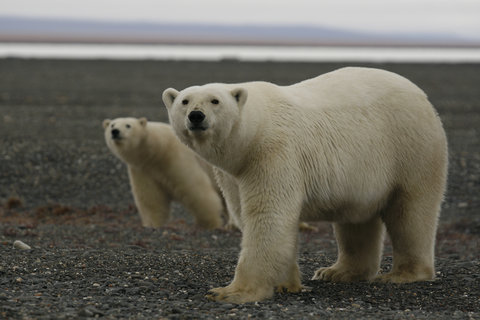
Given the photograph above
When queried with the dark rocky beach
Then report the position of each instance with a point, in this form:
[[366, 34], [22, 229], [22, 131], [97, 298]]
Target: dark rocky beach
[[65, 195]]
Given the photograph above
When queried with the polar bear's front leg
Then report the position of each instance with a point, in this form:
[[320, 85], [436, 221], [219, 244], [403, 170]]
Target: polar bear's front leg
[[292, 283], [268, 256], [152, 201]]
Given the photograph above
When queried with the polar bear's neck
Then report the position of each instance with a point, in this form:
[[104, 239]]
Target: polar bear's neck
[[149, 150], [229, 153]]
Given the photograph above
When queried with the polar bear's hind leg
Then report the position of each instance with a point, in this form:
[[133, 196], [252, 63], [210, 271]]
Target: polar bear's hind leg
[[359, 252], [411, 223]]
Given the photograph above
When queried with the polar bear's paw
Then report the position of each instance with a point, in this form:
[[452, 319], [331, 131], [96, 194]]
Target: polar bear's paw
[[290, 288], [209, 222], [233, 294], [336, 274], [230, 226], [305, 227]]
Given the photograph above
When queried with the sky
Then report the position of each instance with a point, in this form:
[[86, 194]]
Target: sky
[[455, 17]]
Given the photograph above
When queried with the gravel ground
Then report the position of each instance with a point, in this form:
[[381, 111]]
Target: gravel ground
[[65, 195]]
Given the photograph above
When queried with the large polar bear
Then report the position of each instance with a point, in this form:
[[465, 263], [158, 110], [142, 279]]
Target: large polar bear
[[161, 169], [362, 148]]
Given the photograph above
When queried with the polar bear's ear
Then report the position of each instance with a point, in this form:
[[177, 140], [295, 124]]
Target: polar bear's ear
[[106, 122], [169, 96], [143, 121], [240, 94]]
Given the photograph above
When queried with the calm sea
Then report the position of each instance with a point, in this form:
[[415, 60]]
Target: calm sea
[[242, 53]]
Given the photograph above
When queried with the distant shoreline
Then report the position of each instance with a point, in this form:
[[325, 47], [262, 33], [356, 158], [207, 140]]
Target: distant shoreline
[[374, 54]]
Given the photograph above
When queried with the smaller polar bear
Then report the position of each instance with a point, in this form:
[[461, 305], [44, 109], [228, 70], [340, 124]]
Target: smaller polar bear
[[161, 169], [362, 148]]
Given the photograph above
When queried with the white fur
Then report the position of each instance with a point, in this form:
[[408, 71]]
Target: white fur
[[362, 148], [162, 170]]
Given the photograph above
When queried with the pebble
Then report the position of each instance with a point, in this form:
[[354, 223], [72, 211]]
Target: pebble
[[462, 205], [21, 245]]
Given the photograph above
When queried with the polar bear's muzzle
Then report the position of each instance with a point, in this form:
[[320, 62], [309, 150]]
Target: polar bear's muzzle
[[116, 134], [196, 121]]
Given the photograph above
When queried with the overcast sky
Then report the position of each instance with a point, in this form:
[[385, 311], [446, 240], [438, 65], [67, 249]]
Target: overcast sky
[[458, 17]]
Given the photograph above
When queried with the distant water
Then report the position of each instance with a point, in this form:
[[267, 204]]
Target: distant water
[[242, 53]]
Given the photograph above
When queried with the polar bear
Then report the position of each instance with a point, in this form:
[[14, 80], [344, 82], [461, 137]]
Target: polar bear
[[362, 148], [161, 169]]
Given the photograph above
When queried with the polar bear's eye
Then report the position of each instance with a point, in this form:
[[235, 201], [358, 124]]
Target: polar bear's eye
[[214, 101], [128, 126], [184, 101]]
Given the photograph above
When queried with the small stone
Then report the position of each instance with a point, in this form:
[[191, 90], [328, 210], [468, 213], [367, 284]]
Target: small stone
[[462, 205], [21, 245]]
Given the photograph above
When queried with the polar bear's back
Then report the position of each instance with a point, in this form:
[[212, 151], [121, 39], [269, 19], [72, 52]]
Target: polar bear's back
[[380, 102], [347, 100], [355, 85]]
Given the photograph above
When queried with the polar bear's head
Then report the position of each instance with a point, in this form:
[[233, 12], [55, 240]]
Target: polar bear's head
[[123, 135], [202, 112]]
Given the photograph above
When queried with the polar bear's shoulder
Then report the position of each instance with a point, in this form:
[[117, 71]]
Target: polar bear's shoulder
[[158, 125], [159, 129]]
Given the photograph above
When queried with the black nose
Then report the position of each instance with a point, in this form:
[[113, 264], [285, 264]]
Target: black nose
[[115, 133], [196, 117]]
